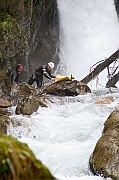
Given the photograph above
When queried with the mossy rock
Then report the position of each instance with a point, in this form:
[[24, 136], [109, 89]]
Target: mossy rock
[[17, 162], [13, 43], [4, 123], [4, 111], [5, 84], [27, 105], [104, 160]]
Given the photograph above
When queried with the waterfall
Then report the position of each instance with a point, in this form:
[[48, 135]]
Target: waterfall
[[64, 135], [89, 32]]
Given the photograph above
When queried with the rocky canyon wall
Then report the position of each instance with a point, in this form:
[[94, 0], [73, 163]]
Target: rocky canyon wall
[[29, 33]]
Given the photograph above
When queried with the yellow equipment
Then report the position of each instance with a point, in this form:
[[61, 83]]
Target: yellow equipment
[[64, 78]]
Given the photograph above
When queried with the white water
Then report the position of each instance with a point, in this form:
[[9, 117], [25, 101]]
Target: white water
[[89, 32], [63, 136]]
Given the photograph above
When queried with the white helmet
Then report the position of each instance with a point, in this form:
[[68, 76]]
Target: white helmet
[[51, 64]]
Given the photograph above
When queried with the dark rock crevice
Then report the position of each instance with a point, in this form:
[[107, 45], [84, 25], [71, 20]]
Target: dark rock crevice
[[29, 33]]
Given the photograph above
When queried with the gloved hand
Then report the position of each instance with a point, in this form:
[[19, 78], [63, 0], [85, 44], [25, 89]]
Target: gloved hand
[[53, 79]]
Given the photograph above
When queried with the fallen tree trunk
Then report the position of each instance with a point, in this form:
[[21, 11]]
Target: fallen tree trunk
[[113, 81], [99, 68]]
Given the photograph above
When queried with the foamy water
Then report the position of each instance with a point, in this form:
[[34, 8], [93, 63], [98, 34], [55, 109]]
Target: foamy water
[[89, 32], [64, 135]]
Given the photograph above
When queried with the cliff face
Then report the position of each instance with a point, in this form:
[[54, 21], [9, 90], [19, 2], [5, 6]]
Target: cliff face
[[44, 33], [28, 34], [117, 6]]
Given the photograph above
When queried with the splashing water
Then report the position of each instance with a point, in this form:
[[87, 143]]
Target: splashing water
[[63, 136], [89, 32]]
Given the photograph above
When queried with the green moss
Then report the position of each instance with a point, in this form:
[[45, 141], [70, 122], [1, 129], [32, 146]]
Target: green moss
[[33, 17], [0, 54], [39, 1], [2, 75], [5, 24], [51, 10], [18, 162]]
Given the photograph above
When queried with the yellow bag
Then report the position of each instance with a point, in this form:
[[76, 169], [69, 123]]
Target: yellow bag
[[64, 78]]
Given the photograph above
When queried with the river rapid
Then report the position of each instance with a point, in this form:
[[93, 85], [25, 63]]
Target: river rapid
[[63, 136]]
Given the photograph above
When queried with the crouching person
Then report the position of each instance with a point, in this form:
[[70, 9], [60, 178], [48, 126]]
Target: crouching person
[[44, 70]]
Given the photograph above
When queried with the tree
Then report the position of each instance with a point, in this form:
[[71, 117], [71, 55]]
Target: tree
[[100, 67], [113, 81]]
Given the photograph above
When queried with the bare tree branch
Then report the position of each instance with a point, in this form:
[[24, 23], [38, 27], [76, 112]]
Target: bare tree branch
[[99, 68]]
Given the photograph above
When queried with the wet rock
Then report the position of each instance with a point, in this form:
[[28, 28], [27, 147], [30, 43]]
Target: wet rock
[[17, 161], [67, 88], [4, 123], [105, 100], [105, 157], [4, 120], [44, 101], [4, 103], [4, 111], [111, 120], [18, 91], [27, 105], [23, 90]]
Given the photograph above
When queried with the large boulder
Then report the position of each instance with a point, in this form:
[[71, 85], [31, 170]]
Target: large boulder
[[23, 90], [105, 158], [67, 88], [27, 105], [111, 120], [27, 99], [17, 162]]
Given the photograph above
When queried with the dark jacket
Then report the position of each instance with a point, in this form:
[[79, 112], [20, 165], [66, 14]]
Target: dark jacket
[[15, 74], [43, 70]]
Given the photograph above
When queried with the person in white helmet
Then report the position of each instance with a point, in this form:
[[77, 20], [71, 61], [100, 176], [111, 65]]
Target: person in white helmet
[[44, 70]]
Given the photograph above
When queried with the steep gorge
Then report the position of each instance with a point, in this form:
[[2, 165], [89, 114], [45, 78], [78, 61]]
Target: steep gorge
[[29, 33]]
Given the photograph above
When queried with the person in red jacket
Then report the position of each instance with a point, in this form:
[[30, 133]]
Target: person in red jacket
[[44, 70], [16, 73]]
